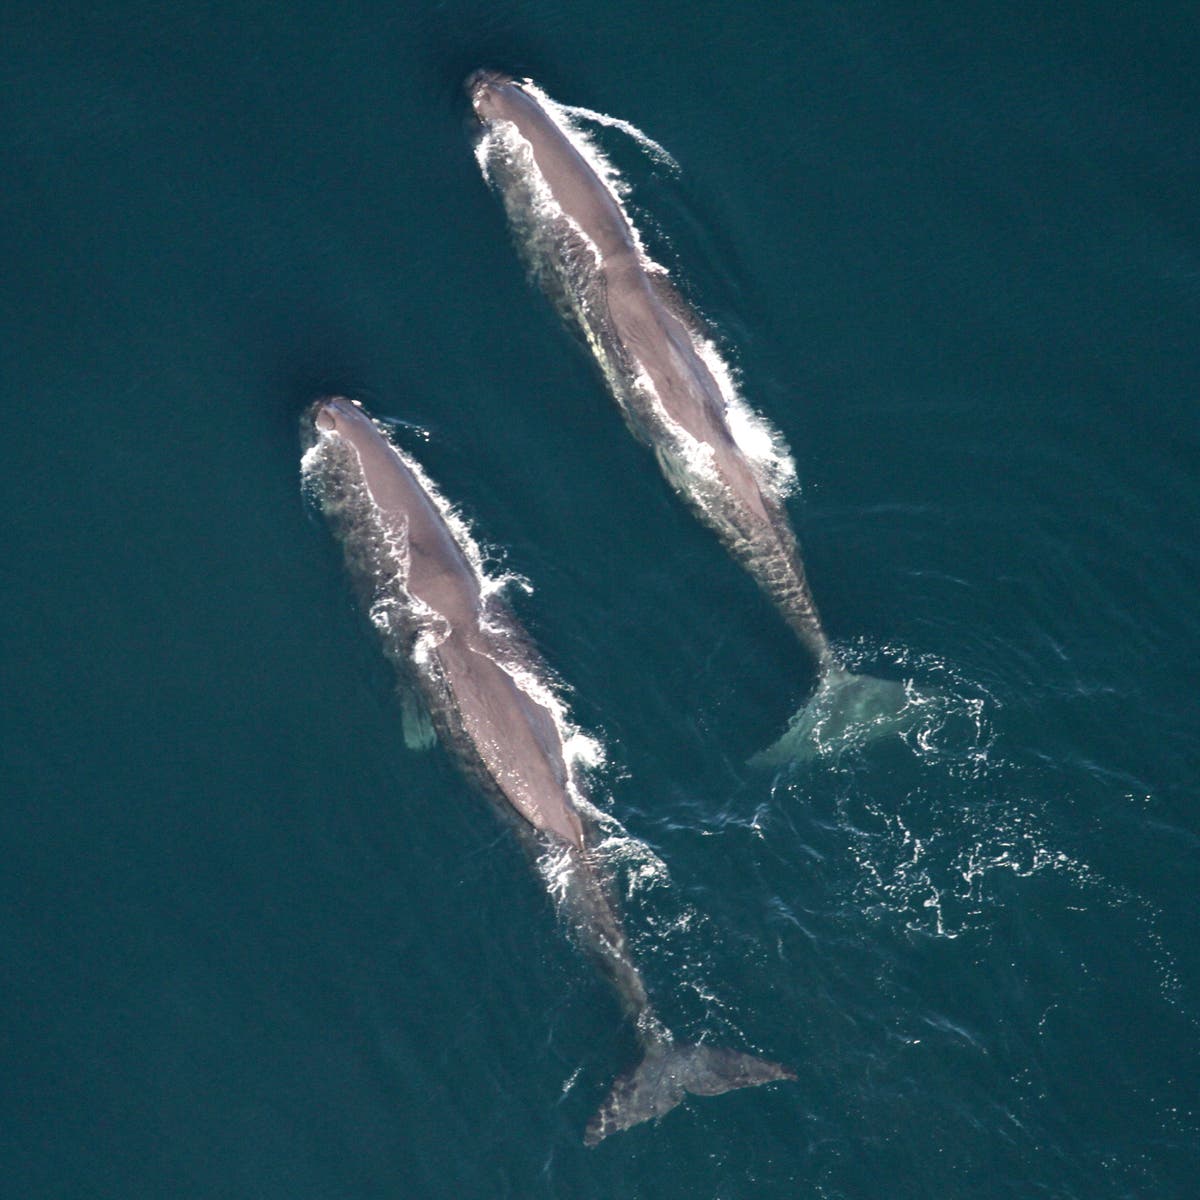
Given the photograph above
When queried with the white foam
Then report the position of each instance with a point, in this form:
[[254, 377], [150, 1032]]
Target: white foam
[[611, 178], [583, 143], [557, 868], [309, 461], [689, 463], [763, 445], [656, 151], [928, 858], [503, 143]]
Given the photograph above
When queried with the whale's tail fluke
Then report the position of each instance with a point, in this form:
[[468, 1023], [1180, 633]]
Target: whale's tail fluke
[[668, 1072], [845, 710]]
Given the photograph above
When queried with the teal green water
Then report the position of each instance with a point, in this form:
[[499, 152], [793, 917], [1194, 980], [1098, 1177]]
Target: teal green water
[[253, 947]]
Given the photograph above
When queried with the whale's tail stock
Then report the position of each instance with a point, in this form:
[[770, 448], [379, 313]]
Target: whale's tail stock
[[669, 1071]]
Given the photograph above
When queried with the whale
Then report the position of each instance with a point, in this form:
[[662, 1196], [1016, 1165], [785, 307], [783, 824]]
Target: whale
[[484, 692], [663, 370]]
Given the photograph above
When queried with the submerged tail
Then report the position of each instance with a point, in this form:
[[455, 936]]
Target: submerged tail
[[668, 1072], [845, 709]]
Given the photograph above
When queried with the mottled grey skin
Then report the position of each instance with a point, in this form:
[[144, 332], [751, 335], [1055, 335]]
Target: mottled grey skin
[[425, 599], [647, 325]]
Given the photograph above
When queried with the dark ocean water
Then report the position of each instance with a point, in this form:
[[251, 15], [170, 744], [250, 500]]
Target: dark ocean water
[[253, 947]]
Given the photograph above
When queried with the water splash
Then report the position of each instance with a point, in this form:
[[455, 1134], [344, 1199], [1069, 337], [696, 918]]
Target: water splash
[[575, 113], [934, 829]]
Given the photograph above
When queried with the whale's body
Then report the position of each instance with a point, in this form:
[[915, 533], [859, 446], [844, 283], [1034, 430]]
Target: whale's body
[[644, 337], [488, 697], [511, 741], [666, 377]]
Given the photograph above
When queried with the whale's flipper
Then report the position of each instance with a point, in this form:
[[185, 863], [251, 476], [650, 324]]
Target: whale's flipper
[[846, 709], [415, 722], [668, 1072]]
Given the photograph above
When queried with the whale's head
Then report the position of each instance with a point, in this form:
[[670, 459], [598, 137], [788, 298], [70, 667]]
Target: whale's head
[[333, 415], [487, 90]]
